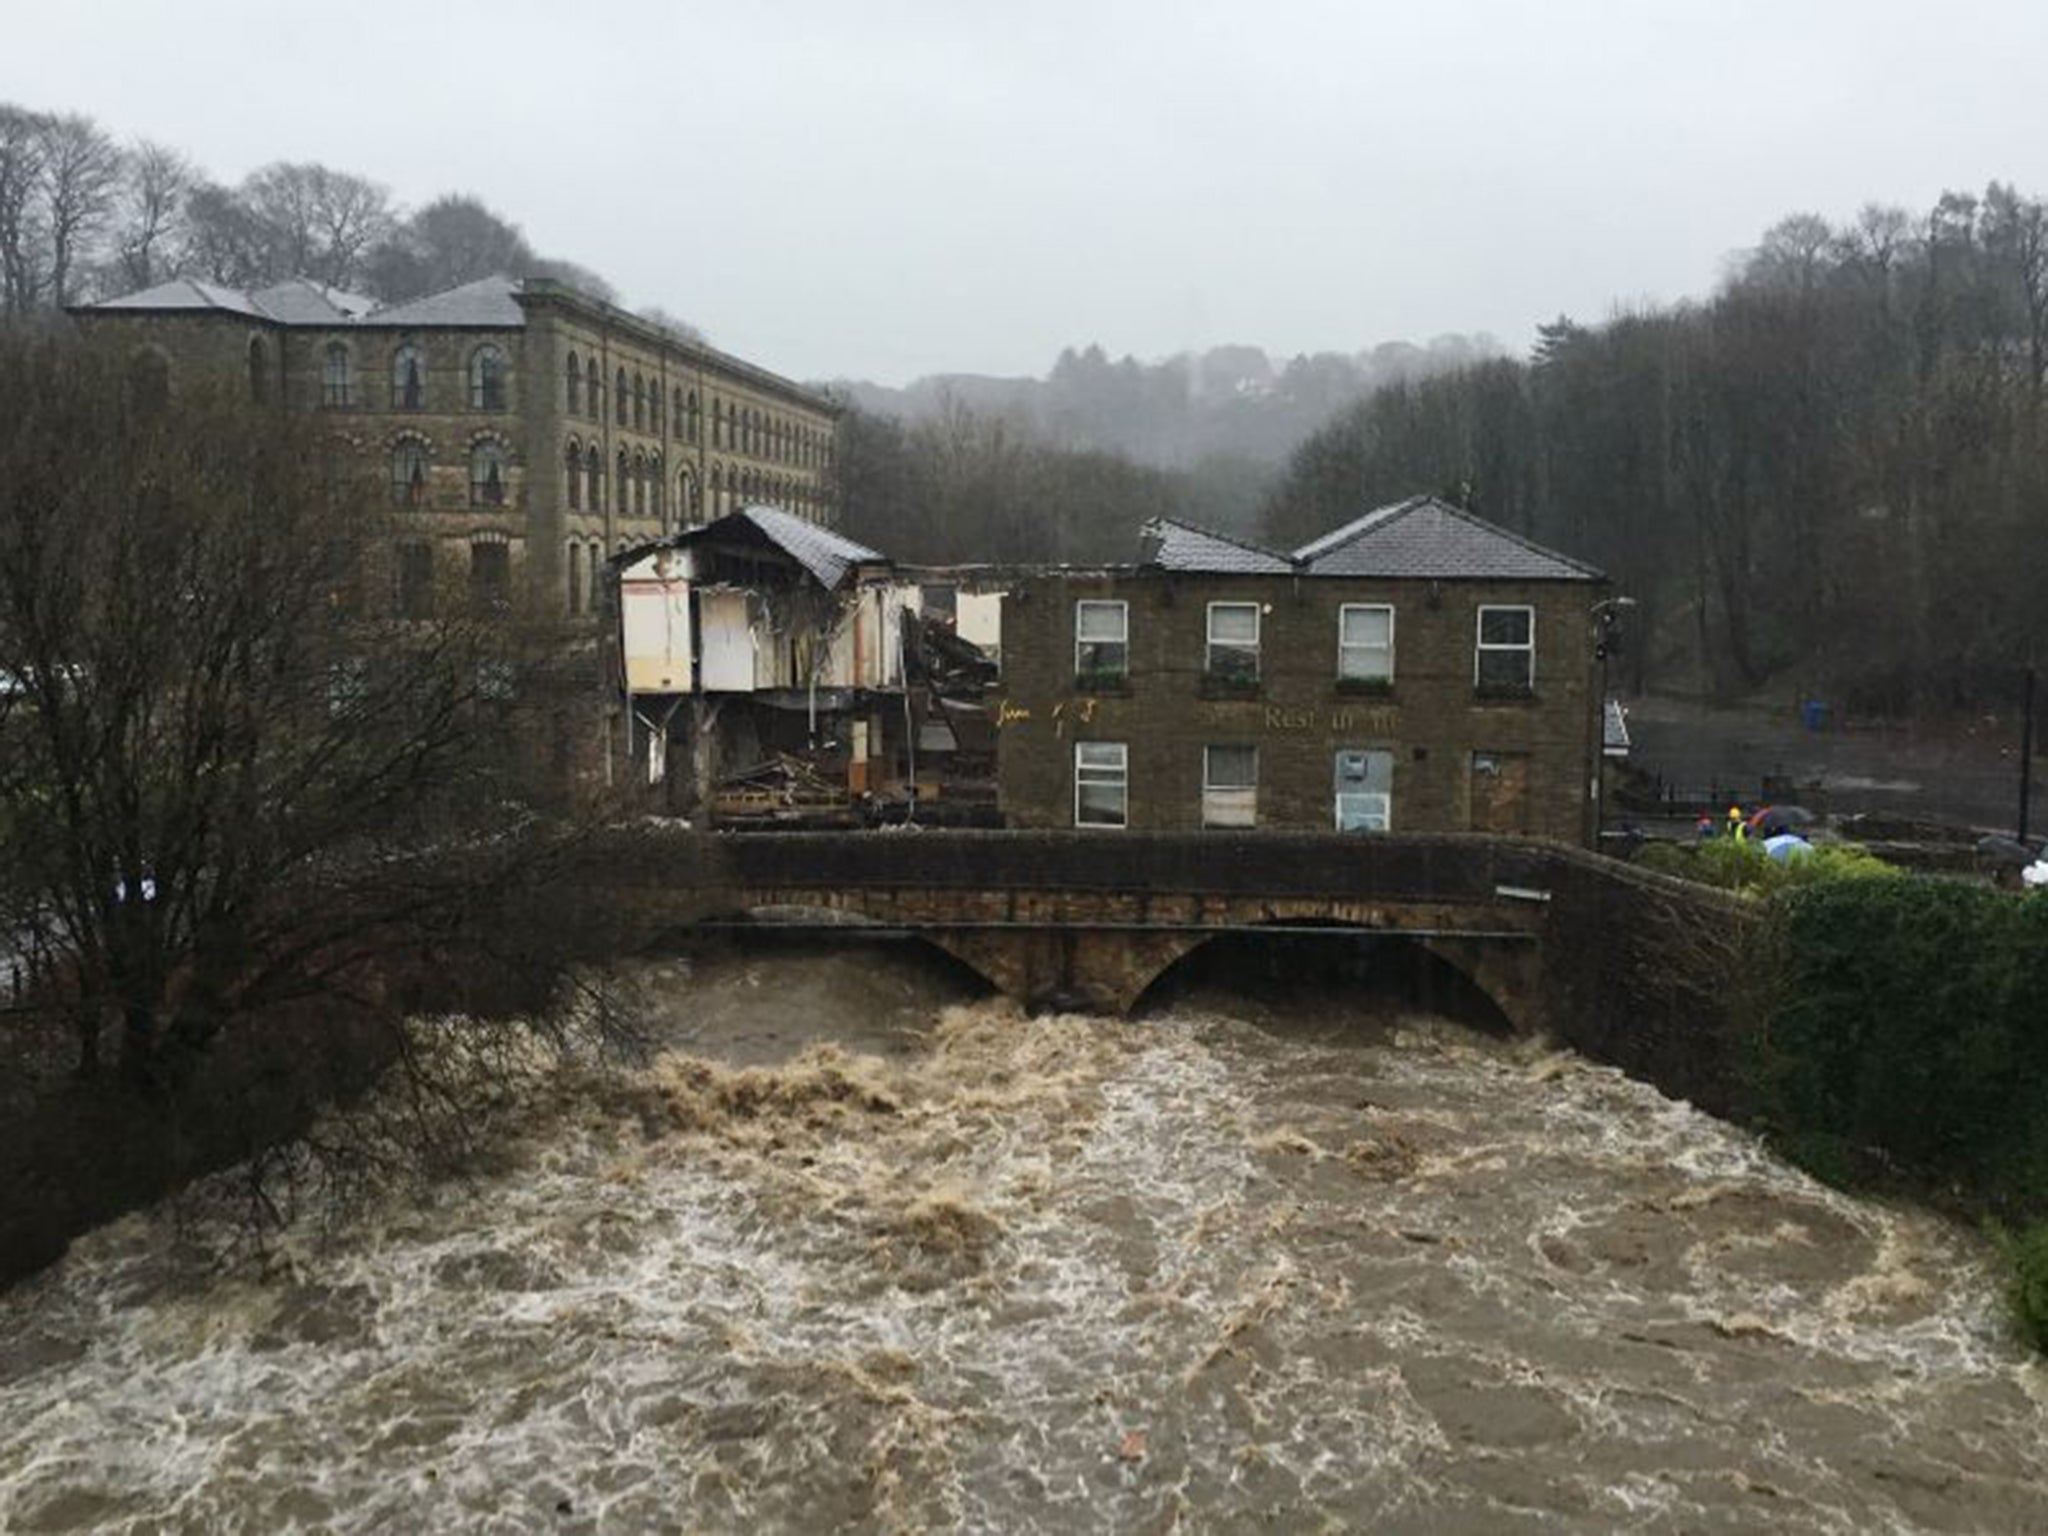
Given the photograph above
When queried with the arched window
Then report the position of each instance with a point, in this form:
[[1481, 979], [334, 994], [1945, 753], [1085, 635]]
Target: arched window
[[408, 379], [622, 489], [692, 420], [259, 371], [572, 476], [572, 377], [337, 377], [639, 403], [717, 488], [675, 415], [622, 398], [575, 577], [409, 473], [654, 407], [487, 475], [593, 563], [639, 485], [487, 379], [657, 485], [717, 422], [594, 387], [593, 473]]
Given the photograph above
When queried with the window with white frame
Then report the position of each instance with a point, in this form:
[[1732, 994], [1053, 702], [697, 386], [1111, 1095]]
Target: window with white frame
[[1102, 784], [1102, 651], [1365, 643], [1230, 786], [1365, 790], [1504, 660], [1234, 643]]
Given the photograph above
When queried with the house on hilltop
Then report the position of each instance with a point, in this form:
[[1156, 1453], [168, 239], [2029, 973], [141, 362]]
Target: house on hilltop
[[1418, 668]]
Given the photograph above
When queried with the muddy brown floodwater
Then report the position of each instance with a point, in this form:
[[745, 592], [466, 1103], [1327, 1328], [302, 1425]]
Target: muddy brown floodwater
[[854, 1254]]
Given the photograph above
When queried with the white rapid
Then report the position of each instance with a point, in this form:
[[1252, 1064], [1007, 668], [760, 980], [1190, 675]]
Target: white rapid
[[851, 1254]]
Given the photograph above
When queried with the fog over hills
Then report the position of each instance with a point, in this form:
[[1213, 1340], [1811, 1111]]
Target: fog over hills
[[1227, 402]]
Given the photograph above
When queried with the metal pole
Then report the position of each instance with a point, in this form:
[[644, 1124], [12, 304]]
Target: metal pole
[[2026, 753]]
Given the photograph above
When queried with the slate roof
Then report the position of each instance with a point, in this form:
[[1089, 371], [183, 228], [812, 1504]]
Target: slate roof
[[825, 554], [1431, 539], [488, 302], [1186, 548], [301, 301], [184, 293]]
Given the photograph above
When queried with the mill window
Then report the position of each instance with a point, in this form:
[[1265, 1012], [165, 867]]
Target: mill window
[[409, 473], [408, 379], [487, 379], [337, 378], [487, 475]]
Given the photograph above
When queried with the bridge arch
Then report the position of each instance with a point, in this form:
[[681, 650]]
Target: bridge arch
[[1481, 983], [798, 919]]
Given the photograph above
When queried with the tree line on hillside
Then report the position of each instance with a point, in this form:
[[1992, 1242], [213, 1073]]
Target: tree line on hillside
[[970, 487], [1830, 473], [85, 216], [1224, 405]]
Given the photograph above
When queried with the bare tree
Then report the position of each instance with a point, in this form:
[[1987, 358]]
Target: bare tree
[[322, 222], [149, 221], [226, 786], [81, 177], [225, 241], [21, 225], [654, 314]]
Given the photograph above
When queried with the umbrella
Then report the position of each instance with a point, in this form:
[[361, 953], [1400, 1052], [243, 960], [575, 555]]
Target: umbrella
[[1773, 819], [1786, 847]]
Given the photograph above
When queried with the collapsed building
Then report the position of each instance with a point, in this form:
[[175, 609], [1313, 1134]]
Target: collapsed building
[[772, 672]]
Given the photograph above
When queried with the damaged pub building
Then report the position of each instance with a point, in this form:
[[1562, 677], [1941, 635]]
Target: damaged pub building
[[772, 672]]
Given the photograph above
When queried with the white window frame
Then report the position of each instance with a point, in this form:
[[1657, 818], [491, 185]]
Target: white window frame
[[1231, 817], [1113, 766], [1481, 646], [1123, 616], [1258, 635], [1344, 645], [1338, 797]]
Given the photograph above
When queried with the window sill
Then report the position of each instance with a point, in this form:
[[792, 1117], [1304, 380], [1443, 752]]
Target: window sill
[[1230, 688], [1365, 687], [1118, 686]]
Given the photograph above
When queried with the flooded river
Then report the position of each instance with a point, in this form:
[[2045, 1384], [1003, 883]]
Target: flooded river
[[853, 1253]]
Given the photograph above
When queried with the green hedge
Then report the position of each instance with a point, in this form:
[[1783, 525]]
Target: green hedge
[[1741, 864], [1910, 1021]]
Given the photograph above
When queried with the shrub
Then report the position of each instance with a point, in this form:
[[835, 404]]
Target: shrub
[[1907, 1019], [1742, 864], [2027, 1254]]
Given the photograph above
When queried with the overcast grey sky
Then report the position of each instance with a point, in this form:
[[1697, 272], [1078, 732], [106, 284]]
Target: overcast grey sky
[[896, 187]]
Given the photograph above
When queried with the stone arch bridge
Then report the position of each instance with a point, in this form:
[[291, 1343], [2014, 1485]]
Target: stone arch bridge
[[1090, 920]]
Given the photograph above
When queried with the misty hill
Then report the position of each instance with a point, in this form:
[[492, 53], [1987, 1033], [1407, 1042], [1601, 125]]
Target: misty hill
[[1229, 402]]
